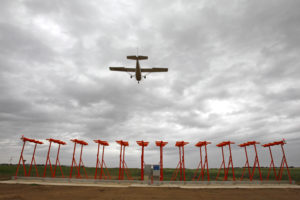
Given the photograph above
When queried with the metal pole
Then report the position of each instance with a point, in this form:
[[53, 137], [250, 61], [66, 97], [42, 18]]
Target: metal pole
[[180, 163], [201, 164], [101, 171], [161, 164], [107, 170], [80, 161], [73, 159], [271, 165], [97, 161], [32, 160], [183, 164], [257, 160], [280, 169], [223, 163], [21, 158], [246, 164], [48, 158], [195, 174], [57, 161], [227, 169], [123, 162], [287, 167], [250, 176], [120, 162], [206, 161], [231, 163], [142, 163]]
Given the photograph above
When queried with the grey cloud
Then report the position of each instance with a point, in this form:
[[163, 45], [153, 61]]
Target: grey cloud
[[23, 44], [233, 75]]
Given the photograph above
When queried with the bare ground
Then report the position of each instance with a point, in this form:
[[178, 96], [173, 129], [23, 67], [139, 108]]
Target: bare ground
[[40, 192]]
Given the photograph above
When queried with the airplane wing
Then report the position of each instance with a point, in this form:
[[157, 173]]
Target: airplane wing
[[154, 70], [122, 69]]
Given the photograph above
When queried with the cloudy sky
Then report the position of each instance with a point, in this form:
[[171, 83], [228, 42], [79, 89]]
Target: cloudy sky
[[233, 75]]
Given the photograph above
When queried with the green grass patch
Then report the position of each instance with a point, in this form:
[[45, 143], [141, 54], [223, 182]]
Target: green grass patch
[[7, 171]]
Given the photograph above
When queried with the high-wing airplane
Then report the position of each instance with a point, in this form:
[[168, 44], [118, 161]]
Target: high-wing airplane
[[138, 70]]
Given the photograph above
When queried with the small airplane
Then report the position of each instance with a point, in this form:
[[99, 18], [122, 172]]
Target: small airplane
[[138, 70]]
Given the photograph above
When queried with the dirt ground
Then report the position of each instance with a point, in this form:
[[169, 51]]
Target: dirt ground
[[40, 192]]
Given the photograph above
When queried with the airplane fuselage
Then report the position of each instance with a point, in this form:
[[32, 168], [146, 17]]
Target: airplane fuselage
[[138, 73]]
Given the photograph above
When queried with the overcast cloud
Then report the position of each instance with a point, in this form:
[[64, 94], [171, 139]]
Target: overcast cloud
[[233, 75]]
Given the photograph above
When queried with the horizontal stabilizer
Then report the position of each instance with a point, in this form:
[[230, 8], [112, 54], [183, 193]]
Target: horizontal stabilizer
[[137, 57]]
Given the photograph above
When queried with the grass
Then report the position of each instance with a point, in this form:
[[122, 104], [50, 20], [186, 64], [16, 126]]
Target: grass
[[7, 171]]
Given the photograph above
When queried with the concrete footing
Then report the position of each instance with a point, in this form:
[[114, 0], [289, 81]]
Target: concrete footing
[[147, 183]]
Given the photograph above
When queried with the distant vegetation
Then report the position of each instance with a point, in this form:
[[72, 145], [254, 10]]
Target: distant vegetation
[[7, 171]]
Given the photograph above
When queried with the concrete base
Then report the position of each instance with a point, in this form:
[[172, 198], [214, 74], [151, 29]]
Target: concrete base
[[136, 183]]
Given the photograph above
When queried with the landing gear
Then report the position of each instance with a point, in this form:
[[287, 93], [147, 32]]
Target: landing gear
[[131, 76], [144, 77]]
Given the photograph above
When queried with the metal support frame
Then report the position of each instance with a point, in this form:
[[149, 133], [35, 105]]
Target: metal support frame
[[230, 163], [181, 164], [283, 161], [53, 172], [80, 163], [101, 164], [161, 145], [36, 142], [123, 166], [256, 160], [203, 164], [142, 144]]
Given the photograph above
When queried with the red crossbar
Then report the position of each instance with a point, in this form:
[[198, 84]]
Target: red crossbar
[[230, 163], [24, 139], [102, 162], [181, 164], [161, 145], [142, 144], [283, 160], [202, 164], [53, 172], [123, 166], [80, 163], [256, 160]]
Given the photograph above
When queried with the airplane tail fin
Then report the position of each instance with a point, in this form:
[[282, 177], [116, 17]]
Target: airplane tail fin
[[137, 57]]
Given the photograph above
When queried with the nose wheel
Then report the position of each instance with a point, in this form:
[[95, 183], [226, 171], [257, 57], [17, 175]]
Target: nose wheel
[[131, 76], [144, 77]]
